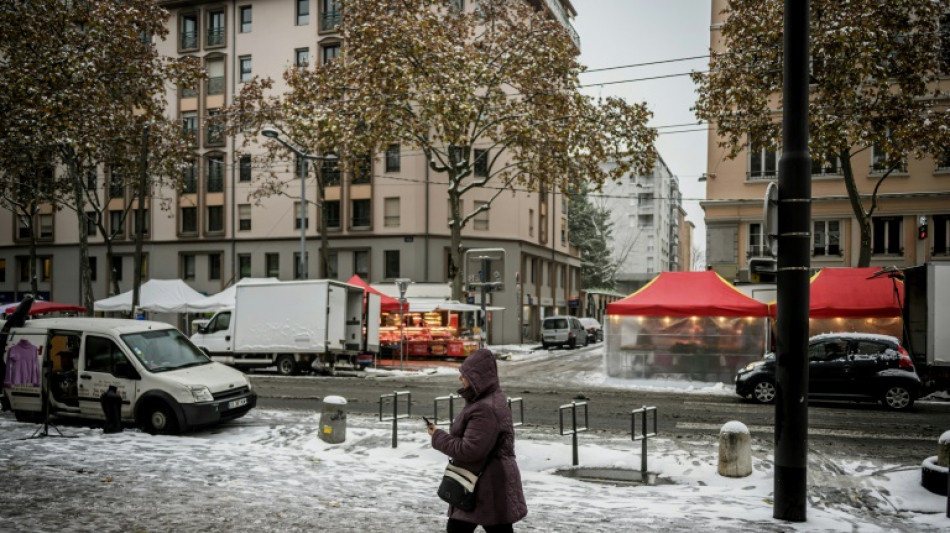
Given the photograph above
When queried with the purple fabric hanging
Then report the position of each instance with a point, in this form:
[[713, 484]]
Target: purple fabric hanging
[[22, 367]]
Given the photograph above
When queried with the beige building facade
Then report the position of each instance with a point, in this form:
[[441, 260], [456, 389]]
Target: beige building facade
[[735, 189], [387, 222]]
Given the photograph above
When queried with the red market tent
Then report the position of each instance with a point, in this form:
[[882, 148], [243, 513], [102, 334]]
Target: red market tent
[[387, 304], [852, 293], [40, 307], [688, 294]]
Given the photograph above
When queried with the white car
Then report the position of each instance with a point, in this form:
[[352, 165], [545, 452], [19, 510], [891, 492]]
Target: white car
[[595, 332], [562, 331]]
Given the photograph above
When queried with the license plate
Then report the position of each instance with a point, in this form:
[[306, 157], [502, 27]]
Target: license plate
[[237, 403]]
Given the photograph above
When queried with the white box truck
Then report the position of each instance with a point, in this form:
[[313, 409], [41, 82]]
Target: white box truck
[[927, 322], [295, 326], [62, 367]]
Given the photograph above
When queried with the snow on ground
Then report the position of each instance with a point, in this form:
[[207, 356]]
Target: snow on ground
[[269, 471]]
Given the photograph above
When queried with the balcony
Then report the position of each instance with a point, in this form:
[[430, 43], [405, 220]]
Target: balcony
[[215, 37], [560, 14], [329, 20], [189, 40]]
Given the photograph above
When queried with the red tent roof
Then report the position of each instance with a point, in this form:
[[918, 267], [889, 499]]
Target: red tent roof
[[387, 304], [852, 293], [688, 294], [40, 307]]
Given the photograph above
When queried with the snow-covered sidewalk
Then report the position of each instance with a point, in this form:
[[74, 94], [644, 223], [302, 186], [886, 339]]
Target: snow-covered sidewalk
[[270, 472]]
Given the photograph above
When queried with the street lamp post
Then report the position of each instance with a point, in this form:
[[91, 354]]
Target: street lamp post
[[272, 133], [402, 284]]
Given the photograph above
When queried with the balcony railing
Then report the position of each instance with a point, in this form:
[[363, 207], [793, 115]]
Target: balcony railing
[[329, 20], [215, 37], [555, 7], [189, 40], [216, 85]]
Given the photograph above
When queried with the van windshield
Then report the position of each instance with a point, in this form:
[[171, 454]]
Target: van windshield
[[164, 350]]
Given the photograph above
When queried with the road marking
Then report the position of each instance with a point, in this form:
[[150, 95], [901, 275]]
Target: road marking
[[811, 431]]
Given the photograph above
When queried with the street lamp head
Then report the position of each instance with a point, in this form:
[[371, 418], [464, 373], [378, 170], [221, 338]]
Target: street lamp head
[[270, 133]]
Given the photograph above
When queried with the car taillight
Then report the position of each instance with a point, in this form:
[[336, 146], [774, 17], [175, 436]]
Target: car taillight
[[570, 335], [904, 361]]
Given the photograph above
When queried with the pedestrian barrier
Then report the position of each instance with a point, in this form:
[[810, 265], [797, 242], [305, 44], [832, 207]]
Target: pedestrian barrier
[[575, 429], [520, 420], [394, 399], [450, 399], [644, 435]]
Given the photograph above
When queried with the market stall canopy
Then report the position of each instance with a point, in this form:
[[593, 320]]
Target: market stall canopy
[[225, 299], [387, 304], [459, 307], [157, 296], [852, 293], [40, 307], [688, 294]]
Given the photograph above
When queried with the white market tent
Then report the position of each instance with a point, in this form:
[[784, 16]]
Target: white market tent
[[224, 299], [156, 296]]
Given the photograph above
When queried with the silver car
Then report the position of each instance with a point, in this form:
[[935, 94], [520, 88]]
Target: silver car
[[562, 331]]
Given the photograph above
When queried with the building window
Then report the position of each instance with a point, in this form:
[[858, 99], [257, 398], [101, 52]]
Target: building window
[[215, 181], [215, 35], [831, 166], [91, 226], [826, 238], [298, 216], [303, 12], [645, 199], [244, 164], [92, 179], [756, 244], [480, 221], [244, 217], [941, 235], [329, 14], [481, 163], [392, 158], [245, 68], [361, 214], [458, 5], [214, 266], [116, 184], [188, 29], [117, 267], [301, 57], [362, 171], [391, 264], [247, 17], [331, 210], [244, 265], [882, 162], [361, 264], [134, 215], [300, 273], [93, 268], [189, 178], [215, 219], [330, 52], [945, 43], [331, 172], [391, 212], [215, 133], [763, 161], [189, 126], [215, 68], [187, 266], [272, 265], [333, 265], [189, 220], [563, 231], [886, 233], [530, 222], [116, 223], [46, 227], [23, 268]]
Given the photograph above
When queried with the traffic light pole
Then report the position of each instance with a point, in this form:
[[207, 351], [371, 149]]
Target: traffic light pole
[[792, 273]]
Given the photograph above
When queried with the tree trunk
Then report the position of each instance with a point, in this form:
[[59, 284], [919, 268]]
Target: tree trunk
[[322, 271], [140, 222], [85, 276], [34, 282], [857, 207], [455, 250]]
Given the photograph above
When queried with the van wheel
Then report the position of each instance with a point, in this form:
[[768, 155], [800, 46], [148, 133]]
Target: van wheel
[[572, 344], [159, 419], [286, 366], [28, 416]]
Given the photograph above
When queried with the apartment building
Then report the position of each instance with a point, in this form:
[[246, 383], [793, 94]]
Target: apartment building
[[917, 194], [648, 224], [386, 221]]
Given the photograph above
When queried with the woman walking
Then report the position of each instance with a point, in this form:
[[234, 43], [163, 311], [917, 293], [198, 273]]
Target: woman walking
[[483, 438]]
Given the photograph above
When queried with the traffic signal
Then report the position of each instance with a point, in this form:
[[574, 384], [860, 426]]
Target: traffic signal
[[922, 232]]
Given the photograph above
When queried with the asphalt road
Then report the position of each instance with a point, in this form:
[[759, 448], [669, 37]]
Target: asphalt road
[[853, 429]]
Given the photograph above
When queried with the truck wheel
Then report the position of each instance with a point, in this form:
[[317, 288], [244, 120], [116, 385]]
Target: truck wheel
[[159, 419], [286, 366], [764, 391], [897, 398]]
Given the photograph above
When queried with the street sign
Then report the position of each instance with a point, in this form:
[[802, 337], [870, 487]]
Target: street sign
[[485, 268], [770, 218]]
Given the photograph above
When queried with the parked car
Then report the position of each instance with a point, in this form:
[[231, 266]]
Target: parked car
[[562, 331], [595, 333], [844, 366]]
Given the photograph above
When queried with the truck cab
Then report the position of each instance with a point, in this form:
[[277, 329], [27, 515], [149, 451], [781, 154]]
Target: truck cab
[[63, 366]]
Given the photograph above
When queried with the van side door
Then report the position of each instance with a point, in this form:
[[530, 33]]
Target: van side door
[[104, 364]]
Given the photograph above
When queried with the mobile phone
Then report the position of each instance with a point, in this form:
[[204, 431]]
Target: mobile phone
[[426, 420]]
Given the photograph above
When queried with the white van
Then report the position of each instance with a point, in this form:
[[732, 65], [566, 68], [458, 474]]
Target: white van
[[167, 384]]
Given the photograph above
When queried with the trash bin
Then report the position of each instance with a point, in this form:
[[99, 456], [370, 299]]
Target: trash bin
[[112, 407], [333, 420]]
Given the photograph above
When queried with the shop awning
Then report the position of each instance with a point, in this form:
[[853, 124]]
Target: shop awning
[[852, 293], [688, 294]]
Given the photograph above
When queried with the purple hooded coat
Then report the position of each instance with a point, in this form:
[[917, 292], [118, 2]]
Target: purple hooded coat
[[485, 420]]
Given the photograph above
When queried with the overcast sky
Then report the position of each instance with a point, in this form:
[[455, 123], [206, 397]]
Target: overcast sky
[[624, 32]]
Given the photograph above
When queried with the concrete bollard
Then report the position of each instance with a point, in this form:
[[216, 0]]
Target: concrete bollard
[[333, 420], [943, 450], [735, 450]]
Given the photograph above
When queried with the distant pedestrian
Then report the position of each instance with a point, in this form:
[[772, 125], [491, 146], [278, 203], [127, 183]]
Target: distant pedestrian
[[483, 432]]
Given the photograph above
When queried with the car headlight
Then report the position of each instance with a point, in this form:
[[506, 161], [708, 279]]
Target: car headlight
[[202, 394], [751, 366]]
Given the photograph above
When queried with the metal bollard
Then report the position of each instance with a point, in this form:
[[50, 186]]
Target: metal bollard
[[451, 398], [644, 434], [520, 402], [574, 427], [396, 416]]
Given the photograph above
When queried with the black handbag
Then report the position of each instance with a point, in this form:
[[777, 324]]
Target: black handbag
[[459, 485]]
